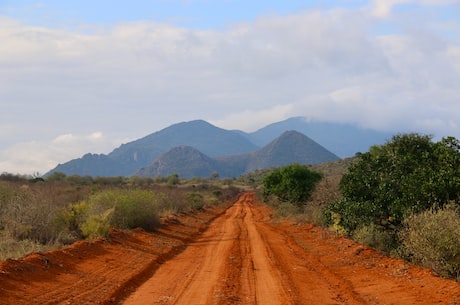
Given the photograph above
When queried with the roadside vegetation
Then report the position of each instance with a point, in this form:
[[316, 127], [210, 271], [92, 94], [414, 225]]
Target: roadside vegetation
[[402, 198], [39, 214]]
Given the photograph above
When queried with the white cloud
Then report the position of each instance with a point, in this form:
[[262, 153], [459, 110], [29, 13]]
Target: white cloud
[[131, 79], [251, 120], [383, 8], [41, 156]]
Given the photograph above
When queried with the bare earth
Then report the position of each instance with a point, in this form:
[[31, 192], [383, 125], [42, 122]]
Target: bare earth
[[221, 256]]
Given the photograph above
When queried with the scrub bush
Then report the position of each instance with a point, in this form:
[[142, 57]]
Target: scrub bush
[[293, 183], [432, 239], [124, 209]]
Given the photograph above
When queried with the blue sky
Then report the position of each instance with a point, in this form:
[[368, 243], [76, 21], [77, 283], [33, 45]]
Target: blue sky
[[202, 14], [86, 76]]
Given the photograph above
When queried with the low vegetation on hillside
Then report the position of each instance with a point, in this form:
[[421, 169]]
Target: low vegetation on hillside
[[39, 214], [402, 197]]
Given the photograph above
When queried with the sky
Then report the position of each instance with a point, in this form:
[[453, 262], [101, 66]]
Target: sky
[[86, 76]]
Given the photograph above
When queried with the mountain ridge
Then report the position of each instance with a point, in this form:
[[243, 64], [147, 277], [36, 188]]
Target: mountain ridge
[[345, 140], [215, 142], [290, 147]]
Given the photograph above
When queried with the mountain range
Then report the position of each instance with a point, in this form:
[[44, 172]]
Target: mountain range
[[198, 148], [188, 162]]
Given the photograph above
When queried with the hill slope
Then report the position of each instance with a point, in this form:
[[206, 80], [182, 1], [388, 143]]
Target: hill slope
[[185, 161], [290, 147], [342, 139], [130, 157]]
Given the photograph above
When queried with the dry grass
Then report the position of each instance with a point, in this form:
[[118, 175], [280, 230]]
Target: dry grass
[[38, 216]]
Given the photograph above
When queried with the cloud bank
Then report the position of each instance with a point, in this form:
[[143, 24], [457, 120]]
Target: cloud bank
[[131, 79]]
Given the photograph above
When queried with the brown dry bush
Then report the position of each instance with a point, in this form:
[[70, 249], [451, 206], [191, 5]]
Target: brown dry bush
[[432, 239], [49, 214]]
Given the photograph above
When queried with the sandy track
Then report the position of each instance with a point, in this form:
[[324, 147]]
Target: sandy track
[[232, 256]]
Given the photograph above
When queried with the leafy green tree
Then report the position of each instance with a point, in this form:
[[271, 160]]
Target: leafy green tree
[[293, 183], [407, 175]]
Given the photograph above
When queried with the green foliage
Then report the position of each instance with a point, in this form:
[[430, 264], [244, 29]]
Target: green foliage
[[56, 176], [409, 174], [97, 225], [131, 208], [432, 239], [348, 215], [125, 209], [70, 220], [195, 200], [293, 183]]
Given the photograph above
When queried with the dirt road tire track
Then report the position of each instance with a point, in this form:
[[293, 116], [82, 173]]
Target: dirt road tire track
[[227, 256]]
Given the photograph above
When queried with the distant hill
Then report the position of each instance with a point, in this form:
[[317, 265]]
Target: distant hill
[[241, 150], [345, 140], [130, 157], [290, 147], [92, 165], [185, 161]]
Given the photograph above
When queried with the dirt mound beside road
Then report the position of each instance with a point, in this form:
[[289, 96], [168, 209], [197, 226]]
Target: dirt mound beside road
[[221, 256]]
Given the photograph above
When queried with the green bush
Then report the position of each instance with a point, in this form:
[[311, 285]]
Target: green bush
[[293, 183], [97, 225], [407, 175], [124, 209], [196, 201], [348, 215], [432, 239], [69, 221], [131, 208]]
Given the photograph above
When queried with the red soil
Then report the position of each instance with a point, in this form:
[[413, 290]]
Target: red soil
[[221, 256]]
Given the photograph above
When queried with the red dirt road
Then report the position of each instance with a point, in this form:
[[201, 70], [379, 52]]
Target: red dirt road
[[232, 256]]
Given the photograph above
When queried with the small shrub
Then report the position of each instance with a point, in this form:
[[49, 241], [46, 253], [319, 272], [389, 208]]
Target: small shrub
[[132, 208], [171, 202], [97, 225], [124, 209], [195, 200], [217, 193], [432, 239], [374, 236], [286, 209], [70, 220], [13, 248], [312, 214]]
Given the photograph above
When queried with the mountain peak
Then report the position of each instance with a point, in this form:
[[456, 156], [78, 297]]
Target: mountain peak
[[184, 160], [291, 147]]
